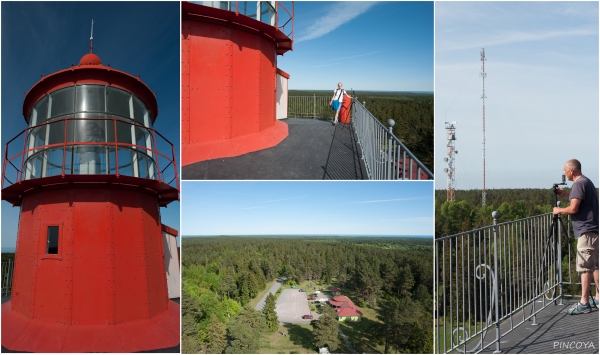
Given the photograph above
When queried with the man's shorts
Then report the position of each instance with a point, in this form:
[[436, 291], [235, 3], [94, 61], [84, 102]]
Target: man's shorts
[[587, 252], [340, 106]]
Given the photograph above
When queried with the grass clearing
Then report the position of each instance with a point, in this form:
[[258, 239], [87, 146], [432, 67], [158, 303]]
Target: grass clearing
[[362, 334], [299, 340]]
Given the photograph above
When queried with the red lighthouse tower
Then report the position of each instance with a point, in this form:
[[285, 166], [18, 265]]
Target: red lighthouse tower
[[229, 77], [89, 174]]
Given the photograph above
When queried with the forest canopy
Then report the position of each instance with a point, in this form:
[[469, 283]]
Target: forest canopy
[[222, 275]]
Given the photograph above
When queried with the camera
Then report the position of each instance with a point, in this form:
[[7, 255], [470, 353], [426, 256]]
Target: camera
[[555, 186]]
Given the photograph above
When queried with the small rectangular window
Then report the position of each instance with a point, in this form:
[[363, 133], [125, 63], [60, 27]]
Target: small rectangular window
[[52, 247]]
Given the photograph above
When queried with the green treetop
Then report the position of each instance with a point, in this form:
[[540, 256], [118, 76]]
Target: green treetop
[[270, 314], [325, 330]]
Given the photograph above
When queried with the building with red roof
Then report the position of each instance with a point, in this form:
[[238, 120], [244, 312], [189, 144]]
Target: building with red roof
[[345, 308]]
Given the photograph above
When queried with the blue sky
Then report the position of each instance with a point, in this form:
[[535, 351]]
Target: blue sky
[[382, 46], [541, 89], [340, 208], [39, 38]]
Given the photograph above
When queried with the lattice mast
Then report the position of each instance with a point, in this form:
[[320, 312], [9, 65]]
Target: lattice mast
[[483, 75], [449, 159]]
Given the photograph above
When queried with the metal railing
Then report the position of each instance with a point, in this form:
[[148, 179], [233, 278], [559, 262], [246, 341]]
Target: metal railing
[[57, 157], [8, 267], [385, 157], [310, 107], [502, 274]]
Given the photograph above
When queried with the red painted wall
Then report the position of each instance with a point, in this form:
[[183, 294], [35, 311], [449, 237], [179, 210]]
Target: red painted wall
[[110, 266], [228, 83]]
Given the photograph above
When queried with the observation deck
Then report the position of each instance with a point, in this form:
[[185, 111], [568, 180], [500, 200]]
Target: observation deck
[[362, 149], [506, 288]]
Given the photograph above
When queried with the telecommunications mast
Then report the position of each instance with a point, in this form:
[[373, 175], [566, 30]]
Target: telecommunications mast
[[483, 75], [450, 138]]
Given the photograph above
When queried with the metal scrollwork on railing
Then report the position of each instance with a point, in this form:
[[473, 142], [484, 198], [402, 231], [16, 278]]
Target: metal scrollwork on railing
[[481, 274]]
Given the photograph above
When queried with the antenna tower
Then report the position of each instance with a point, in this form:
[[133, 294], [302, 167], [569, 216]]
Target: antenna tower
[[450, 138], [483, 75]]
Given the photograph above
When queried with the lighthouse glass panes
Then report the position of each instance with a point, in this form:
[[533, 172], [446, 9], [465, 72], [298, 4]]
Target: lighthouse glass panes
[[91, 111], [266, 9], [267, 12]]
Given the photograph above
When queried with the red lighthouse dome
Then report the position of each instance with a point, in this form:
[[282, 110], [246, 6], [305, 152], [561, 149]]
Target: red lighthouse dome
[[90, 59], [89, 178]]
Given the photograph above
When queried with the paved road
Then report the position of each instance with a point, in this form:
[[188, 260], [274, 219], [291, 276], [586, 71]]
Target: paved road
[[346, 340], [272, 290], [291, 306]]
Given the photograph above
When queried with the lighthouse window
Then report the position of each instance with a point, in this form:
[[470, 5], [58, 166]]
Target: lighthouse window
[[90, 98], [118, 102], [39, 113], [52, 240], [140, 113], [248, 8], [267, 13], [61, 101]]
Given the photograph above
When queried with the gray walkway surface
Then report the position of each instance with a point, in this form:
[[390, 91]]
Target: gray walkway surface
[[313, 150], [556, 333], [291, 306], [272, 290]]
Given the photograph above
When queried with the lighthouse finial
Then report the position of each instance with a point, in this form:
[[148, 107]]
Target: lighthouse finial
[[92, 36]]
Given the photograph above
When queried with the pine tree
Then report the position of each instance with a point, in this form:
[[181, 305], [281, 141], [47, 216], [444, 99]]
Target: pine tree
[[216, 336], [191, 314], [245, 331], [325, 330], [270, 314]]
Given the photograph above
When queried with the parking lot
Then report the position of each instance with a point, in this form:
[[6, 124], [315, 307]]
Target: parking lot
[[291, 306]]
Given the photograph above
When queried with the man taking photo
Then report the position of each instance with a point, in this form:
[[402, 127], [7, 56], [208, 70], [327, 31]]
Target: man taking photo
[[583, 209]]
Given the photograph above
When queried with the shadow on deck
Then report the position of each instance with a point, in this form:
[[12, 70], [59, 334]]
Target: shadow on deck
[[313, 150], [557, 332]]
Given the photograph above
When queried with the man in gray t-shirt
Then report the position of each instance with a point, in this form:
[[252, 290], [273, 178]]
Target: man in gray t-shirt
[[583, 209]]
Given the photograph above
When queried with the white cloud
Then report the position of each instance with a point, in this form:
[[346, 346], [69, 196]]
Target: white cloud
[[337, 15], [510, 37], [395, 199]]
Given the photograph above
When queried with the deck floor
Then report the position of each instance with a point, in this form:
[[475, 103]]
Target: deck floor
[[313, 150], [557, 332]]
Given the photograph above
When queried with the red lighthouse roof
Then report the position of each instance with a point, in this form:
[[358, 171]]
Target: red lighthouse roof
[[90, 59]]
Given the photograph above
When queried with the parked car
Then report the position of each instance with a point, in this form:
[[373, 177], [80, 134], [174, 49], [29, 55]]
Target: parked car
[[307, 317], [302, 290], [312, 299]]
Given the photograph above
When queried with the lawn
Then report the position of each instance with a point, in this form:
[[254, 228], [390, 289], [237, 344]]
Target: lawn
[[362, 334], [299, 340]]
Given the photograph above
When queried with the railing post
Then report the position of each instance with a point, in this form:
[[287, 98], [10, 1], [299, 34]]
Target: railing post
[[391, 124], [314, 106], [558, 261], [495, 291]]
